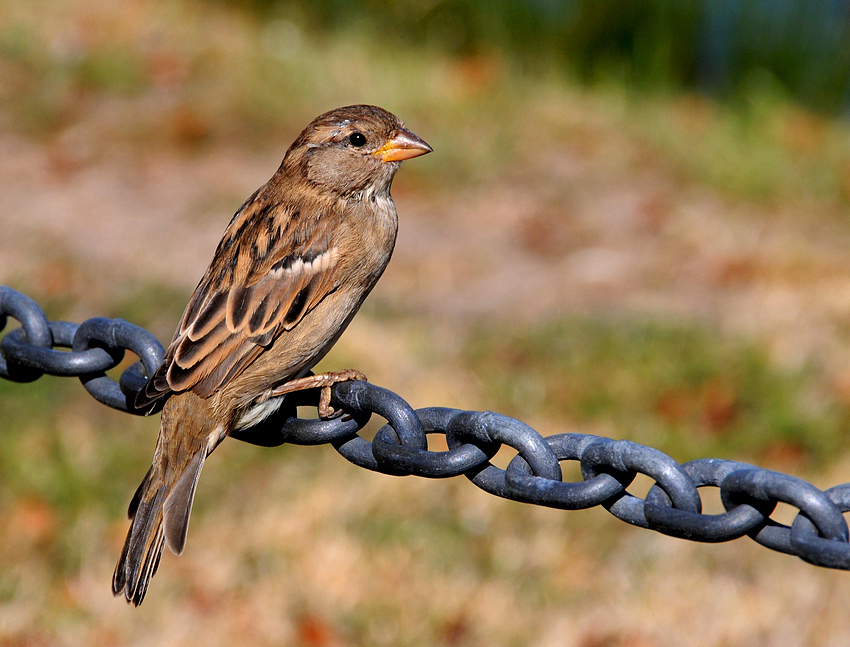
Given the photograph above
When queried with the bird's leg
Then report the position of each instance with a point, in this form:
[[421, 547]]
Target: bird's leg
[[322, 381]]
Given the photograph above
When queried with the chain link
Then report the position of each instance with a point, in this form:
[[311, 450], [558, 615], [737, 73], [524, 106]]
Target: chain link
[[819, 534]]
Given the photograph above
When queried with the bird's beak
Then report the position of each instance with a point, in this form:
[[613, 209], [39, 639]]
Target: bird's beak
[[402, 147]]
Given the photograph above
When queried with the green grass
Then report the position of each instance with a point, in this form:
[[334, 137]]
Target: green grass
[[62, 447], [48, 83], [761, 147], [68, 466], [685, 44], [484, 110], [684, 389]]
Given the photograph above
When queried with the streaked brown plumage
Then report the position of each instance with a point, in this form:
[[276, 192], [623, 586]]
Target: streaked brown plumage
[[293, 267]]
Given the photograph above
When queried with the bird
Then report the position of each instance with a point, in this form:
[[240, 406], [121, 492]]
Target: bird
[[290, 272]]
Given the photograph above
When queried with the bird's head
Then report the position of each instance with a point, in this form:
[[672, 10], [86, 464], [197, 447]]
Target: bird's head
[[353, 149]]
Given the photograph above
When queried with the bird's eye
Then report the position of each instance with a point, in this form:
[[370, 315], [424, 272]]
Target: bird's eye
[[357, 139]]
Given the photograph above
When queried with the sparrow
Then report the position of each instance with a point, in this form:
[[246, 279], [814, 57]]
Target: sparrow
[[292, 269]]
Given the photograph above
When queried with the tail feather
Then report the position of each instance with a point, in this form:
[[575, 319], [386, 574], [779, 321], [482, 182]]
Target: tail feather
[[140, 492], [161, 507], [160, 517], [142, 549], [178, 504], [152, 559], [119, 577]]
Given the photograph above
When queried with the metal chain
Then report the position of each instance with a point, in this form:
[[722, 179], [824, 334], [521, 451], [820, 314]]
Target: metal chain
[[819, 534]]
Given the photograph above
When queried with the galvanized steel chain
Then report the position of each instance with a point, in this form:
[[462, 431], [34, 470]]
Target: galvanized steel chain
[[819, 534]]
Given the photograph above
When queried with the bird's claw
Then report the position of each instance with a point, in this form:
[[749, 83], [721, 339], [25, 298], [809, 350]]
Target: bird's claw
[[324, 381]]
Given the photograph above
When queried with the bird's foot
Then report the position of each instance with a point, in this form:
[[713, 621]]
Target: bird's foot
[[322, 381]]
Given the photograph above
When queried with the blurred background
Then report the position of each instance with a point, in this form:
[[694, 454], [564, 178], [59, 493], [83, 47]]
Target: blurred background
[[634, 224]]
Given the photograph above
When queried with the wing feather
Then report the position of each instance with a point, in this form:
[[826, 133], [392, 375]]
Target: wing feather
[[244, 303], [188, 352], [208, 317]]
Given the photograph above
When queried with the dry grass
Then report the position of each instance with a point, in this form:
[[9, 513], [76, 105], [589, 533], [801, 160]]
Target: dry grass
[[131, 131]]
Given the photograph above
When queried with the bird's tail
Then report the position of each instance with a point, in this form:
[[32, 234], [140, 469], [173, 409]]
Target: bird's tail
[[162, 505]]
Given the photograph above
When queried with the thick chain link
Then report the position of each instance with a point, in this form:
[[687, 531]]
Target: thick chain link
[[819, 534], [96, 346]]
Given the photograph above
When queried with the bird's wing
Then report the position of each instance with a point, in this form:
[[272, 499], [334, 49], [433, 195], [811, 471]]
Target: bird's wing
[[270, 269]]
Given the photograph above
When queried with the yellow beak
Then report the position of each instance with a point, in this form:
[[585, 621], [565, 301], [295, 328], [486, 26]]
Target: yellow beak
[[403, 146]]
